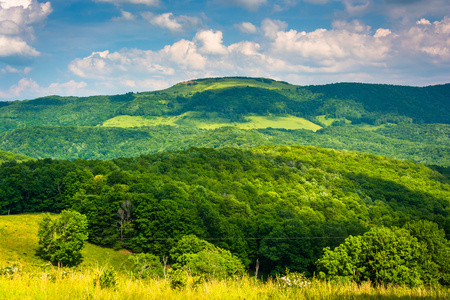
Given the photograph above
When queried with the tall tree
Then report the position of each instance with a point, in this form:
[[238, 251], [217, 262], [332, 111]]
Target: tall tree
[[61, 240]]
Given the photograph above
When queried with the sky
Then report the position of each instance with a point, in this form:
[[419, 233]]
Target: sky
[[92, 47]]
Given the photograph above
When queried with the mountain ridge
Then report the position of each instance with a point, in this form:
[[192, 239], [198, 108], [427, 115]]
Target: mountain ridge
[[373, 118]]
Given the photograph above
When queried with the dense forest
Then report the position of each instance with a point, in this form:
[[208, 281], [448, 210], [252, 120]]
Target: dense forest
[[396, 121], [12, 157], [425, 143], [281, 205]]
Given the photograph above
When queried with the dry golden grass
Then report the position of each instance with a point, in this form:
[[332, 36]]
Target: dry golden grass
[[79, 285]]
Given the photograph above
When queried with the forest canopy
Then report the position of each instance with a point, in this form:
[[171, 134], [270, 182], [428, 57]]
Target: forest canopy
[[280, 205]]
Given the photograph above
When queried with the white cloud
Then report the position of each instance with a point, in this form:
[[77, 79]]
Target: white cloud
[[357, 7], [246, 27], [9, 69], [28, 88], [125, 16], [17, 18], [143, 2], [210, 42], [430, 38], [329, 51], [381, 33], [170, 22], [184, 54], [12, 3], [350, 51], [271, 27], [283, 5], [64, 89], [10, 46], [423, 21], [247, 4], [353, 26]]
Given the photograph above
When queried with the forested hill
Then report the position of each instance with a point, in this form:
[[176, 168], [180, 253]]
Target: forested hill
[[9, 157], [423, 104], [281, 205], [396, 121], [235, 98]]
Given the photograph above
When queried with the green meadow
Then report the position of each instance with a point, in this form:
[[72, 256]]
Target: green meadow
[[193, 119], [19, 241], [63, 284]]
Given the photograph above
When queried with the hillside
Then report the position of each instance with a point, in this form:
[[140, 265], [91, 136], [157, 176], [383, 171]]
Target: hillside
[[396, 121], [8, 156], [240, 200], [19, 243], [427, 143]]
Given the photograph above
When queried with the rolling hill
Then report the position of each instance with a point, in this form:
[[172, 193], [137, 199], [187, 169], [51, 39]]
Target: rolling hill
[[396, 121]]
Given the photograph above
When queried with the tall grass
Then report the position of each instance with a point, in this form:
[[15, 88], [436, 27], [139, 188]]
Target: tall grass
[[80, 285]]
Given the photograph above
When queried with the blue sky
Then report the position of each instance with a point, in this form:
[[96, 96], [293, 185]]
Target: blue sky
[[90, 47]]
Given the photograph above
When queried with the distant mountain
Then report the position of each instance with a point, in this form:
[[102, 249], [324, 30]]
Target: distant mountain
[[397, 121]]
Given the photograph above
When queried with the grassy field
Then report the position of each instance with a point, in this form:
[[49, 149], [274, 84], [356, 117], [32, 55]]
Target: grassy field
[[80, 285], [38, 280], [192, 119], [18, 243]]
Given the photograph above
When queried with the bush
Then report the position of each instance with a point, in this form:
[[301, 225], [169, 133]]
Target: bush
[[203, 258], [107, 279], [178, 279], [146, 265]]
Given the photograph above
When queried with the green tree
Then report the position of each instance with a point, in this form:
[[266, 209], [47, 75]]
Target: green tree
[[61, 239], [434, 259], [205, 259], [380, 255], [146, 265]]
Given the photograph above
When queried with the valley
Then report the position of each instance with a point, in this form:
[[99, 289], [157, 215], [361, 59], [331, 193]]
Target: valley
[[214, 180]]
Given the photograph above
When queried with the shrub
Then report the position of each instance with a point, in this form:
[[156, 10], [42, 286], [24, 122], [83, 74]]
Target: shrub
[[146, 265], [178, 279], [107, 279]]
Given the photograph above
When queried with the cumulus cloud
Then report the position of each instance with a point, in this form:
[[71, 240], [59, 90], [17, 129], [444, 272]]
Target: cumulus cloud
[[143, 2], [430, 38], [9, 69], [125, 16], [353, 26], [10, 46], [330, 51], [28, 88], [170, 22], [210, 42], [272, 27], [349, 51], [17, 18], [357, 7], [246, 27]]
